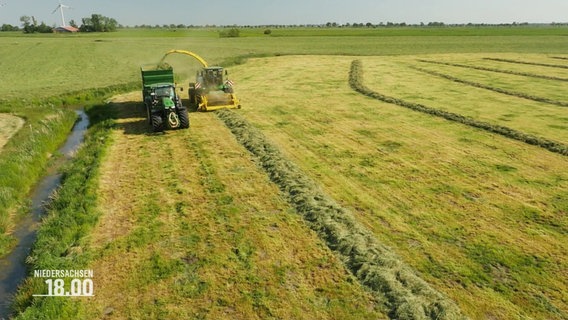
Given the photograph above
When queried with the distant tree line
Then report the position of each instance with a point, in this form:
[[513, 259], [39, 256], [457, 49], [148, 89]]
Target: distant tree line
[[98, 23], [30, 25], [95, 23], [9, 27], [339, 25]]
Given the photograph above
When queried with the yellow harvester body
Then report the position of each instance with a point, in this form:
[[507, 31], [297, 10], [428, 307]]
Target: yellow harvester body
[[212, 90]]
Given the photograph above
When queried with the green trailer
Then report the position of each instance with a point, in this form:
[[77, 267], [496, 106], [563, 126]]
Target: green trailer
[[164, 109]]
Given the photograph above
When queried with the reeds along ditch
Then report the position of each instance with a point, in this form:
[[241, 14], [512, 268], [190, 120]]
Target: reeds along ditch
[[377, 267], [23, 160], [356, 83], [62, 237]]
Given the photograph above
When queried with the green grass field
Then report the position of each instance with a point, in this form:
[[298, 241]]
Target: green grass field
[[479, 216], [476, 213], [106, 59], [398, 77]]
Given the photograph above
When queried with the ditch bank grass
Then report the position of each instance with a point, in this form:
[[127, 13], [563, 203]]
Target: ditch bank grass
[[26, 156], [356, 83], [376, 266], [61, 237]]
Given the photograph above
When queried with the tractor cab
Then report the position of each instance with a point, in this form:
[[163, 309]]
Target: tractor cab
[[211, 78], [163, 95], [166, 91]]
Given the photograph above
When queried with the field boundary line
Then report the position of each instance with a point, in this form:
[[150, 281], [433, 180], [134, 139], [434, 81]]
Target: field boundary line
[[356, 83], [491, 88], [560, 66], [376, 266], [517, 73]]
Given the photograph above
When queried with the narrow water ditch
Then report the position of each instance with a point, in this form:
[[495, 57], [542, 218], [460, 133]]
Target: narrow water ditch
[[12, 267]]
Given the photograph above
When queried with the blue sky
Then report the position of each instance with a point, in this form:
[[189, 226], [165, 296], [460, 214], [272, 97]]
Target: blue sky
[[257, 12]]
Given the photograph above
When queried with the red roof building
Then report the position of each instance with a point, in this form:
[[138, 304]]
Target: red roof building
[[65, 29]]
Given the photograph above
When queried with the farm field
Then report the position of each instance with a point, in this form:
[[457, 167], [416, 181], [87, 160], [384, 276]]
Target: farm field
[[189, 225], [100, 60], [402, 78], [479, 215], [206, 229], [9, 125]]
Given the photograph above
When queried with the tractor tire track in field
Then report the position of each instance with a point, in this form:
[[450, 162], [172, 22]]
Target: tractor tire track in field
[[560, 66], [375, 265], [491, 88], [517, 73], [356, 82]]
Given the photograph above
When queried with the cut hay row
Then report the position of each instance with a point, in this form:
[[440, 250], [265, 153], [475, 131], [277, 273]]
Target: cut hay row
[[517, 73], [561, 66], [377, 267], [560, 58], [491, 88], [356, 82]]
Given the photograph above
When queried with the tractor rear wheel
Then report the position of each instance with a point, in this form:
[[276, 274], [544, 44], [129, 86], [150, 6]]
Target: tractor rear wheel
[[183, 118], [157, 123]]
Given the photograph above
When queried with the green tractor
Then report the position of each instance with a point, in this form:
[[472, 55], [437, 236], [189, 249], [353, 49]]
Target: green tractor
[[163, 106]]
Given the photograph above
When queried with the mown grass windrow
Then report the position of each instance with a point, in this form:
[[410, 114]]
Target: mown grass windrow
[[376, 266], [356, 82]]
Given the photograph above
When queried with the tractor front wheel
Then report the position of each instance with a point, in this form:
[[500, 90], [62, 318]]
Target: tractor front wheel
[[157, 123], [183, 118]]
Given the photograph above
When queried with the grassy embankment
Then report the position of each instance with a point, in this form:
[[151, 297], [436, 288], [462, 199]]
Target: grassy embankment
[[29, 151], [481, 217], [25, 157]]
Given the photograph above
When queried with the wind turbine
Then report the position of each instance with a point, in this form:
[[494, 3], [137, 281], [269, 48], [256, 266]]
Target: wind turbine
[[60, 7]]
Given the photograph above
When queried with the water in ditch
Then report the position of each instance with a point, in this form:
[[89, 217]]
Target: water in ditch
[[12, 267]]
